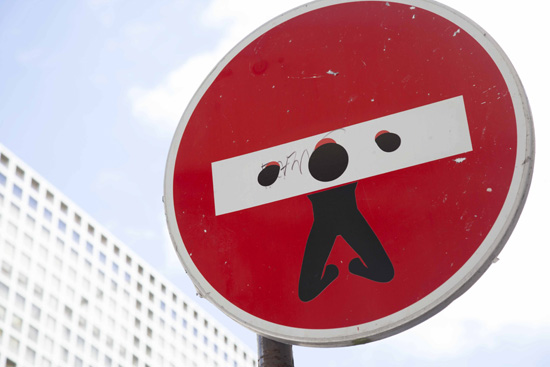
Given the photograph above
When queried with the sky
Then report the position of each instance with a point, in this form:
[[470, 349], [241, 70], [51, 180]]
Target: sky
[[90, 95]]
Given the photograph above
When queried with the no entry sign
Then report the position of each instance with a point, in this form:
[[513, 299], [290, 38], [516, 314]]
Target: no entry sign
[[349, 169]]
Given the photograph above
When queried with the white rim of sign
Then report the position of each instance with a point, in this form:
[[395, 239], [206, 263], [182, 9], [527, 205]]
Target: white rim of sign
[[455, 286]]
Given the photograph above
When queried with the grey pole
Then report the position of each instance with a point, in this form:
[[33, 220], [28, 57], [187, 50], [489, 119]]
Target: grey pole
[[274, 354]]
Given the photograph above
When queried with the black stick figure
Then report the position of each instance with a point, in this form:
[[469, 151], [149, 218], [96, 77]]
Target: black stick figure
[[335, 213]]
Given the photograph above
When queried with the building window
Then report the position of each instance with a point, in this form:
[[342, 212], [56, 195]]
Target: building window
[[62, 226], [95, 353], [4, 160], [127, 277], [19, 172], [14, 210], [17, 191], [38, 292], [33, 333], [45, 233], [91, 229], [49, 196], [14, 345], [64, 355], [6, 269], [82, 323], [35, 185], [116, 249], [102, 257], [19, 301], [68, 313], [74, 255], [30, 221], [16, 322], [66, 333], [47, 215], [48, 343], [115, 268], [33, 203], [63, 207], [162, 305], [89, 247], [76, 237], [30, 355], [2, 179]]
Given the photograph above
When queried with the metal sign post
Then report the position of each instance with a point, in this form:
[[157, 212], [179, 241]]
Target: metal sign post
[[274, 354]]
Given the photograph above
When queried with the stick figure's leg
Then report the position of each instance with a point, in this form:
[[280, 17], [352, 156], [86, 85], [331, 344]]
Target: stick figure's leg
[[312, 280], [374, 263]]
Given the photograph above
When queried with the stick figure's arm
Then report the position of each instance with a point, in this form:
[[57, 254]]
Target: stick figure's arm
[[269, 173], [388, 142]]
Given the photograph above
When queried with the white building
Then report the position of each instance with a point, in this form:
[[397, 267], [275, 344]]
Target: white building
[[71, 294]]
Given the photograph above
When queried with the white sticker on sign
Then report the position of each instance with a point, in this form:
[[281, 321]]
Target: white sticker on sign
[[428, 133]]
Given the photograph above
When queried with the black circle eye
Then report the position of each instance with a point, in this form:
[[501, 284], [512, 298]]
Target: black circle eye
[[387, 141], [328, 162], [268, 175]]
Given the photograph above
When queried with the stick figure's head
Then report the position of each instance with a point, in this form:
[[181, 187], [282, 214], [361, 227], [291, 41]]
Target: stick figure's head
[[328, 161]]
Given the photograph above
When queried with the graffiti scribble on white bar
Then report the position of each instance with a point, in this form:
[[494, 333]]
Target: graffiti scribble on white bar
[[428, 133]]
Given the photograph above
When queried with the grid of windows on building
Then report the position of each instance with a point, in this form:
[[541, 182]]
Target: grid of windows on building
[[71, 294]]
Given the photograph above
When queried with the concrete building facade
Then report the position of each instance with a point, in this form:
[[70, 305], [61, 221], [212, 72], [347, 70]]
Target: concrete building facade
[[71, 294]]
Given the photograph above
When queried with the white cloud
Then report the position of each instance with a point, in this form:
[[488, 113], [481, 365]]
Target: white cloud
[[104, 10], [162, 106]]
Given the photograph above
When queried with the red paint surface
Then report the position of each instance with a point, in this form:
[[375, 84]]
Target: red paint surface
[[324, 141], [429, 218]]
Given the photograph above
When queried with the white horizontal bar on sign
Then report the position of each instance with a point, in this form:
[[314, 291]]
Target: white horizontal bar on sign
[[427, 133]]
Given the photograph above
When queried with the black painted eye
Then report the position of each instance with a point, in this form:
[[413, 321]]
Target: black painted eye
[[388, 142], [269, 174], [328, 161]]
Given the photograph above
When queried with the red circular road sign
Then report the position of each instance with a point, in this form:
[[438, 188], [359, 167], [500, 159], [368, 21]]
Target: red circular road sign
[[349, 169]]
